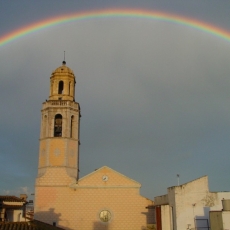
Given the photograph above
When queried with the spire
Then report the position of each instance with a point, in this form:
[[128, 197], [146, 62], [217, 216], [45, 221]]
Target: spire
[[64, 62]]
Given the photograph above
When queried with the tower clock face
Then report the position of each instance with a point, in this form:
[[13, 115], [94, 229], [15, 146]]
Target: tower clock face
[[105, 178]]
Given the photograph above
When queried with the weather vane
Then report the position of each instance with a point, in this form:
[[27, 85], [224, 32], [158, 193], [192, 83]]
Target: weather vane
[[64, 62]]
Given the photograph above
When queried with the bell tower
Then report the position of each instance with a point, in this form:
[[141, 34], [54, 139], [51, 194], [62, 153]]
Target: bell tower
[[59, 136]]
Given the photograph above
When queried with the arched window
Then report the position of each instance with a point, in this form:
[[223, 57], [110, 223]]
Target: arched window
[[58, 125], [72, 127], [60, 87]]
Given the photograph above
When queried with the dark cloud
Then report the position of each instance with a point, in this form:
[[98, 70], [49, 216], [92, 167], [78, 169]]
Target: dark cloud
[[154, 98]]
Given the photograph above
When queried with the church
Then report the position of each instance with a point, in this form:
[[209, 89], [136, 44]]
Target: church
[[102, 200]]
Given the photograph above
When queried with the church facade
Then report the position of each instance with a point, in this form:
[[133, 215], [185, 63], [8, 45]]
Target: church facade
[[102, 200]]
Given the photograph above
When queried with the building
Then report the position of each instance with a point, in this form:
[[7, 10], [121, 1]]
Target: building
[[15, 209], [12, 208], [220, 219], [104, 199], [188, 206], [30, 225]]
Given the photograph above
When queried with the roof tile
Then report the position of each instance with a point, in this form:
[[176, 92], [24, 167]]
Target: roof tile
[[11, 199], [31, 225]]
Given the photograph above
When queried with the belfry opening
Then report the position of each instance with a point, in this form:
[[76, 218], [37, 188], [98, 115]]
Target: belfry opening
[[60, 87], [58, 125]]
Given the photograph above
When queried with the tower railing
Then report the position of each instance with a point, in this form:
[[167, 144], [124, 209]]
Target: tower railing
[[60, 103]]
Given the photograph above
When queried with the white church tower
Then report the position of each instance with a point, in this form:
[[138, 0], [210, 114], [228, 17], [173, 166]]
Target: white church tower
[[59, 144]]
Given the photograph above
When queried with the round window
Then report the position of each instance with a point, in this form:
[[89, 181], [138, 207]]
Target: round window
[[105, 215]]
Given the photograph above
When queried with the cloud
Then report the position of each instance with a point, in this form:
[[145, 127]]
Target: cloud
[[153, 95], [16, 191]]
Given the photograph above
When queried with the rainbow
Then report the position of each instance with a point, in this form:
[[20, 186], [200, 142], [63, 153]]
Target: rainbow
[[126, 13]]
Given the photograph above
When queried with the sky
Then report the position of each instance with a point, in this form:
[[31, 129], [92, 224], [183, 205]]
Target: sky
[[154, 94]]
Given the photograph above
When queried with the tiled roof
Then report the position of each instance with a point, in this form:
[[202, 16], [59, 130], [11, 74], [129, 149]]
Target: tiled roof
[[31, 225], [11, 199], [17, 226]]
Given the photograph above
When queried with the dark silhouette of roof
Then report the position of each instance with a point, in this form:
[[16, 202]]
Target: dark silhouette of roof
[[31, 225], [11, 199]]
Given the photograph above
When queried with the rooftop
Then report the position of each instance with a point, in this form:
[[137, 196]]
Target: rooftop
[[11, 199], [31, 225]]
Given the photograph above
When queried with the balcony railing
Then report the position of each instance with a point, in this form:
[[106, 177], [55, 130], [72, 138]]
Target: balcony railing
[[60, 103]]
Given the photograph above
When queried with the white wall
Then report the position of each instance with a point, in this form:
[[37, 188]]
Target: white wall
[[189, 201], [218, 204], [165, 217], [226, 219], [15, 215]]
